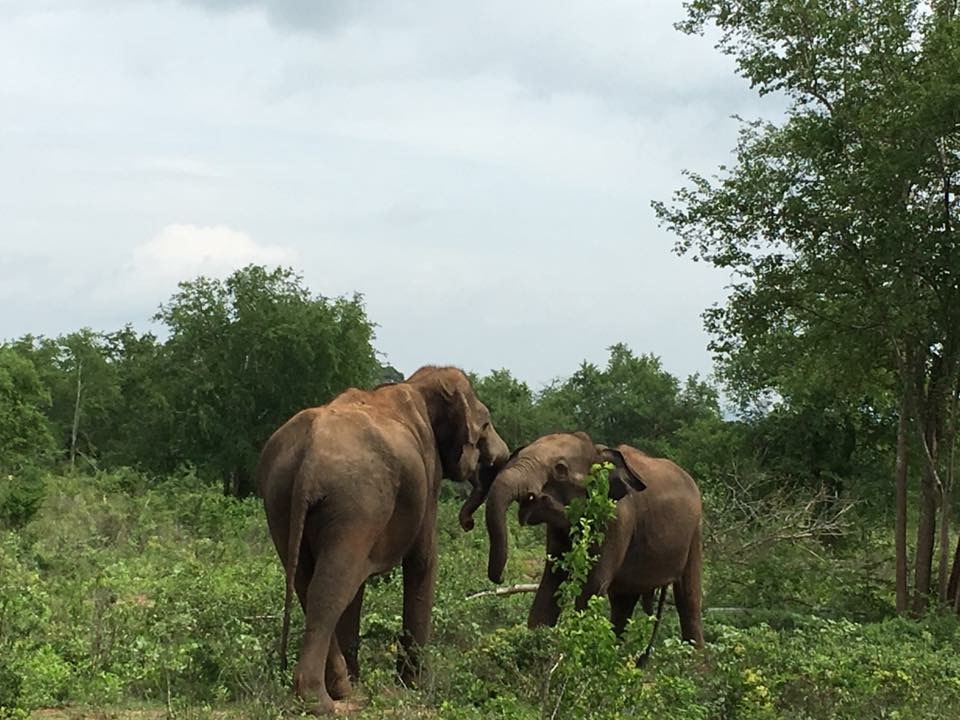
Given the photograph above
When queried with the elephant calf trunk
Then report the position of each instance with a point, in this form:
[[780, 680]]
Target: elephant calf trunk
[[500, 496]]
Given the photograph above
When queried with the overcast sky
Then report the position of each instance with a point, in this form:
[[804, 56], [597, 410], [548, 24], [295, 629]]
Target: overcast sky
[[481, 171]]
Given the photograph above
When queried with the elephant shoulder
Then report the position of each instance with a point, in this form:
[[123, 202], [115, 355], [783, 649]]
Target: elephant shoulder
[[387, 414]]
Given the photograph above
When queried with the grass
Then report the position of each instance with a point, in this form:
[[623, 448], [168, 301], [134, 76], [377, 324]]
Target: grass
[[127, 599]]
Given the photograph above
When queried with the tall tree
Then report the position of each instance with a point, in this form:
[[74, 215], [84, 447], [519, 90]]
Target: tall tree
[[83, 385], [631, 400], [24, 431], [519, 415], [246, 353], [841, 220]]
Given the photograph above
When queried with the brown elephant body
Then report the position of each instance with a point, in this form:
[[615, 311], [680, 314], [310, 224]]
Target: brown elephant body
[[654, 539], [351, 490]]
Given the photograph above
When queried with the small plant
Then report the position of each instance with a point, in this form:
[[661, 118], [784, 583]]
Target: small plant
[[588, 518], [588, 653]]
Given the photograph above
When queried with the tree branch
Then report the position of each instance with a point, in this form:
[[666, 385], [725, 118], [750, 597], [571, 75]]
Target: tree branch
[[508, 590]]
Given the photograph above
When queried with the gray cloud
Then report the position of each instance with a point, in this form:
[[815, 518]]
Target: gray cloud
[[481, 173]]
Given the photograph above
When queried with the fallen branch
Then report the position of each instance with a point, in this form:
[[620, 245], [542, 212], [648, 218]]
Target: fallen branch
[[508, 590]]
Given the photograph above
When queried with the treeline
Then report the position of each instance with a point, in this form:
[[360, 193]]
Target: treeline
[[242, 355], [239, 357]]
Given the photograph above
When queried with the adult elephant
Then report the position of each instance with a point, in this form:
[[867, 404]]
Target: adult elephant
[[351, 490], [652, 541]]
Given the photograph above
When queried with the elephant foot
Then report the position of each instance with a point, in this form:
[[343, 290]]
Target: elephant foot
[[340, 688], [321, 706], [347, 707], [310, 689], [408, 669]]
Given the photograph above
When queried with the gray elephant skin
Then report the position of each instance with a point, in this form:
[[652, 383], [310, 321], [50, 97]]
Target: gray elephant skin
[[351, 490], [653, 540]]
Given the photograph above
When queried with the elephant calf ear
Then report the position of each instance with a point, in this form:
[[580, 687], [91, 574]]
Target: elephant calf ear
[[622, 478], [618, 488]]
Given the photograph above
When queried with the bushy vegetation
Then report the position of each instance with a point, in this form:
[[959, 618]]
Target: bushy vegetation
[[122, 591], [131, 577], [136, 571]]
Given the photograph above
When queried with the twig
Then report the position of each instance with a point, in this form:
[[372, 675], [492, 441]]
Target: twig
[[556, 708], [508, 590], [555, 666]]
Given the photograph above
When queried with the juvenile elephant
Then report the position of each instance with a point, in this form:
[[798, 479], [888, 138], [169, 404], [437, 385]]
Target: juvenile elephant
[[350, 490], [652, 541]]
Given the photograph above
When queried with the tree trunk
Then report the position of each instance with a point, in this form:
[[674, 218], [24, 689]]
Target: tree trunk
[[926, 532], [76, 416], [231, 483], [946, 504], [931, 409], [953, 586], [943, 569], [900, 482]]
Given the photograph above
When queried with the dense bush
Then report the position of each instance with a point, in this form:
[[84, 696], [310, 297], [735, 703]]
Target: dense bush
[[122, 591]]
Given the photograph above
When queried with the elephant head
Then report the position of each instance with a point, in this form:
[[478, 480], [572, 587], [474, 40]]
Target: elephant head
[[470, 448], [544, 477]]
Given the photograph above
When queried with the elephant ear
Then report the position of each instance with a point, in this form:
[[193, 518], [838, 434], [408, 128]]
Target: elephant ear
[[625, 475], [467, 431], [461, 430], [461, 424]]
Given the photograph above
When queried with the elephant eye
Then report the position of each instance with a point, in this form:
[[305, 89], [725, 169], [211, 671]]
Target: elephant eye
[[530, 497]]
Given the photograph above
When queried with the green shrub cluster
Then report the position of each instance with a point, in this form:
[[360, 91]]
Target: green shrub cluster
[[122, 592]]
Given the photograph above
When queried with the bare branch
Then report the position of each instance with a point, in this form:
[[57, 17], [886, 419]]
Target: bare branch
[[508, 590]]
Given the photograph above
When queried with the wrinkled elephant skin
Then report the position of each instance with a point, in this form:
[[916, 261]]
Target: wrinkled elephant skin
[[653, 540], [350, 490]]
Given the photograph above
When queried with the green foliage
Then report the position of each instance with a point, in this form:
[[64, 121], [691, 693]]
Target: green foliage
[[588, 518], [21, 493], [245, 354], [242, 356], [24, 434], [633, 400], [834, 220], [520, 416], [125, 591], [25, 438]]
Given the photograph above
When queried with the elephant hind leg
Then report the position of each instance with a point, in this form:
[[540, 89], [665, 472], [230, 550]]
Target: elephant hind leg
[[336, 673], [688, 594], [348, 634], [341, 568], [621, 610]]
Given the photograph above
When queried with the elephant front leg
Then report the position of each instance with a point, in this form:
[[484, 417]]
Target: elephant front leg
[[621, 610], [609, 560], [546, 607], [419, 578]]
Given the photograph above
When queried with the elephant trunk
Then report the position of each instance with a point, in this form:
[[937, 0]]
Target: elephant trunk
[[485, 476], [470, 506], [509, 486]]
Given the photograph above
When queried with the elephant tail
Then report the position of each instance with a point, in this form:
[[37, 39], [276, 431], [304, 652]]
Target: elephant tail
[[691, 584], [299, 504]]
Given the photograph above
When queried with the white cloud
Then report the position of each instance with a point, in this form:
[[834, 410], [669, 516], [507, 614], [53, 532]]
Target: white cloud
[[182, 252], [178, 252]]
